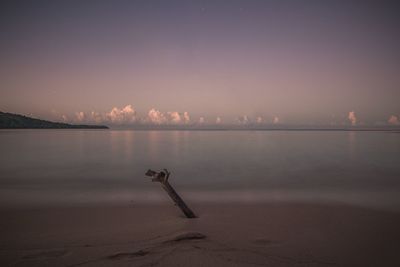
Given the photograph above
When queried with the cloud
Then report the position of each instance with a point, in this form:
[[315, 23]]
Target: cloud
[[174, 117], [393, 120], [186, 117], [171, 117], [127, 115], [275, 120], [203, 121], [352, 118], [156, 117], [96, 117], [80, 116], [122, 116], [64, 118], [243, 119]]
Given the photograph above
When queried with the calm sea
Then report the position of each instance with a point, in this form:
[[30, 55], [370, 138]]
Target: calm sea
[[49, 167]]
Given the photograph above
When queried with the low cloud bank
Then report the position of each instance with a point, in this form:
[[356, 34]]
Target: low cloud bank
[[352, 118], [127, 115], [80, 116], [156, 117], [243, 120], [174, 117], [393, 120]]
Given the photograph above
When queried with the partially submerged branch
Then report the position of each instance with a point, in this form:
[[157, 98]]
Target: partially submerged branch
[[162, 177]]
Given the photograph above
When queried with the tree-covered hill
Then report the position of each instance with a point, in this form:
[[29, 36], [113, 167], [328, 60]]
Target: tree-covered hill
[[15, 121]]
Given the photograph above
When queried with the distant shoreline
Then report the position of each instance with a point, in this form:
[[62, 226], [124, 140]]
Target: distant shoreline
[[16, 121]]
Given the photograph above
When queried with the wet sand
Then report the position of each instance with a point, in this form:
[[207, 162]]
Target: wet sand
[[275, 234]]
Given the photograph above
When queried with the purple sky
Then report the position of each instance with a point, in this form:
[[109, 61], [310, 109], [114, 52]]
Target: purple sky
[[295, 62]]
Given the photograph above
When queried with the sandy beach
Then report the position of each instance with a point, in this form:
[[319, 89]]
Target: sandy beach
[[199, 133], [270, 234]]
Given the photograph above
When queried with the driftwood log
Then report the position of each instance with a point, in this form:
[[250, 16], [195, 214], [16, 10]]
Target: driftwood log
[[162, 178]]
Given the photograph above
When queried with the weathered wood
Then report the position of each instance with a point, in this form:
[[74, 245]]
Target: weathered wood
[[162, 177]]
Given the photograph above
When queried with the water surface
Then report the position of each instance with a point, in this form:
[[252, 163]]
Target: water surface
[[81, 166]]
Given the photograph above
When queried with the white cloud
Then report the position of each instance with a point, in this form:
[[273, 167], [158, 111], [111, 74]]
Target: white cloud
[[171, 117], [275, 120], [96, 117], [156, 117], [174, 117], [120, 116], [80, 116], [394, 120], [352, 118], [124, 115], [186, 117]]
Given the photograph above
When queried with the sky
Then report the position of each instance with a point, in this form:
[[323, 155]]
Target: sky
[[203, 62]]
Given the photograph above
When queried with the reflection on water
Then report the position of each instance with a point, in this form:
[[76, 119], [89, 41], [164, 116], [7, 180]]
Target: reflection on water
[[352, 137], [105, 166], [153, 144], [121, 144]]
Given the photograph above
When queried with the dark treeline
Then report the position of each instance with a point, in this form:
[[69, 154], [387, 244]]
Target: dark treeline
[[15, 121]]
